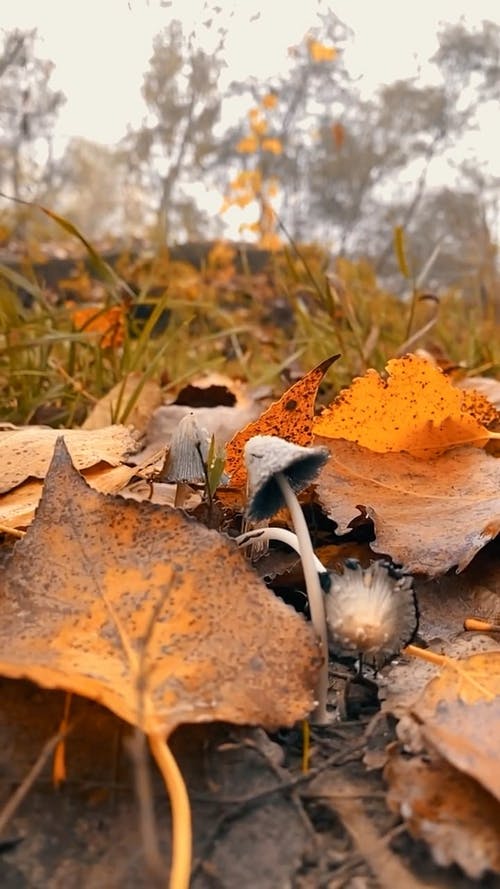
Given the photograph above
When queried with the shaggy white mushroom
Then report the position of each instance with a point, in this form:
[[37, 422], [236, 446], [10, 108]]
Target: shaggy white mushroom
[[371, 611], [277, 471]]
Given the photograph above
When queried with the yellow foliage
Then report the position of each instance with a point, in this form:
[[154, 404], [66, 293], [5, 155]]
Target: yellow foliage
[[243, 200], [272, 145], [220, 255], [416, 409], [109, 323], [270, 100], [270, 241], [321, 53], [250, 227], [247, 145]]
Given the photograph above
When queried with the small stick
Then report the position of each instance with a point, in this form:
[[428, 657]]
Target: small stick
[[480, 626], [26, 784], [440, 660]]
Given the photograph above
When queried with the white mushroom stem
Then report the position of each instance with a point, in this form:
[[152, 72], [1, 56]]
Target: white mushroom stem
[[313, 589], [282, 535]]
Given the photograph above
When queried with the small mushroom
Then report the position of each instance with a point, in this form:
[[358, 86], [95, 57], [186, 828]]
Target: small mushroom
[[371, 611], [283, 535], [184, 464], [277, 471]]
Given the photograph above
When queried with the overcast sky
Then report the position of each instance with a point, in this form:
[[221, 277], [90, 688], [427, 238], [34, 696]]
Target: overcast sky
[[101, 50], [101, 47]]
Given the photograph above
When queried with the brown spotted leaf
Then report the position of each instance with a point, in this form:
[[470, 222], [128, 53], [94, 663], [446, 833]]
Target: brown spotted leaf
[[155, 616], [291, 418], [455, 816], [429, 515], [459, 715]]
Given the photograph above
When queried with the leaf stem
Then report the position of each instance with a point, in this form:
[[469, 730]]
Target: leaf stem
[[181, 812]]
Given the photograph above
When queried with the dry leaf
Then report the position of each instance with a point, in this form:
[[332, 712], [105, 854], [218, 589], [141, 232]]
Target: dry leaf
[[155, 616], [219, 405], [428, 515], [291, 418], [17, 507], [457, 818], [26, 452], [417, 410], [149, 397], [213, 389], [459, 715], [109, 323], [486, 386]]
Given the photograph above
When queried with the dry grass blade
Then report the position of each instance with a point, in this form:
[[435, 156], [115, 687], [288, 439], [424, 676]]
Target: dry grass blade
[[17, 797]]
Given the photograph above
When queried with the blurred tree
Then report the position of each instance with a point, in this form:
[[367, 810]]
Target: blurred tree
[[386, 150], [316, 80], [168, 153], [370, 166], [452, 241], [91, 187], [28, 110]]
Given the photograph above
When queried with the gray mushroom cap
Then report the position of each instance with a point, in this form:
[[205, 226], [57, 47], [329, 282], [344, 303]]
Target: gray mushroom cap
[[266, 456], [188, 449]]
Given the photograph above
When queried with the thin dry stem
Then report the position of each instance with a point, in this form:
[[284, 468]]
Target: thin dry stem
[[147, 821], [26, 784]]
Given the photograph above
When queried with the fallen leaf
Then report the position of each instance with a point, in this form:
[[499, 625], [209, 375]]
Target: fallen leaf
[[150, 613], [290, 418], [459, 716], [468, 680], [17, 507], [416, 410], [428, 515], [26, 452], [455, 816], [486, 386], [214, 389], [144, 396], [109, 323]]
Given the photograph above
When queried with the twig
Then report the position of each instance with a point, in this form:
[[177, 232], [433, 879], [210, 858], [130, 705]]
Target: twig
[[142, 777], [243, 804], [385, 866], [14, 532], [26, 784]]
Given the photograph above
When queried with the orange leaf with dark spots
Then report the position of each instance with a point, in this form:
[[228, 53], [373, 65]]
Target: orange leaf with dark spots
[[143, 609], [416, 410], [291, 418]]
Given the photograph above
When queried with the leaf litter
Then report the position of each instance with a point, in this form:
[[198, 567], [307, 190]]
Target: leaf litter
[[449, 742]]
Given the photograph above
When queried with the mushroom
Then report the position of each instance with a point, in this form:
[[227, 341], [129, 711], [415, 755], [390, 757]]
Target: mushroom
[[277, 471], [185, 461], [283, 535], [371, 611]]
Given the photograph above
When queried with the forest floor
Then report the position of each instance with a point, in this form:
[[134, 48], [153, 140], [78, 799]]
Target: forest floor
[[261, 819]]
